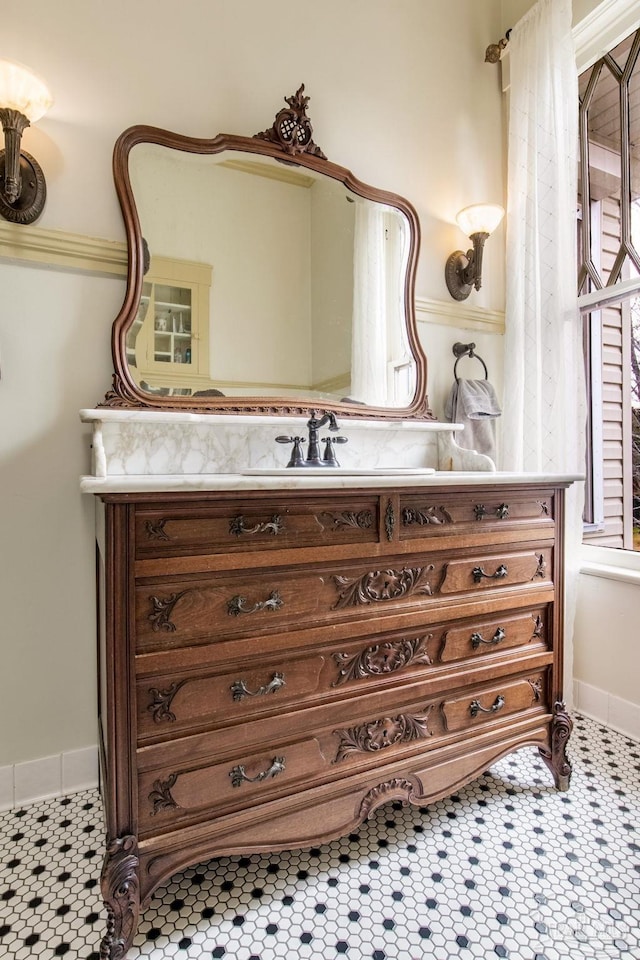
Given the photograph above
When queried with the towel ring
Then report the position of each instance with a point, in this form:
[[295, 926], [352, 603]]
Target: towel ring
[[461, 350]]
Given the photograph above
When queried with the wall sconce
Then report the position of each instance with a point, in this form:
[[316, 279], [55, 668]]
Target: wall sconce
[[464, 270], [24, 98]]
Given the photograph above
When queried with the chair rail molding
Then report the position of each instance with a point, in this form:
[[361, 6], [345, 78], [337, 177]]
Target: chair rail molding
[[66, 251], [459, 315]]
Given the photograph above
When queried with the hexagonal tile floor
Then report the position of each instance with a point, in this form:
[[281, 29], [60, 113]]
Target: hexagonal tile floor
[[507, 867]]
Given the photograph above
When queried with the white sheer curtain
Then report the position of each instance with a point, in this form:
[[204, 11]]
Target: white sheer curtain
[[369, 332], [544, 405]]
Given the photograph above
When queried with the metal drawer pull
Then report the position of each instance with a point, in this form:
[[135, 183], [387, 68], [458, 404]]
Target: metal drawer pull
[[236, 605], [480, 511], [238, 776], [477, 638], [240, 690], [475, 707], [478, 574], [273, 526]]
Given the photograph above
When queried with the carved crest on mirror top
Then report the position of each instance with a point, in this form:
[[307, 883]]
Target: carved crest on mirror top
[[289, 140]]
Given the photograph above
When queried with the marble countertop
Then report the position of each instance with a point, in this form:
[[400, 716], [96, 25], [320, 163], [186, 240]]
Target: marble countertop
[[298, 481]]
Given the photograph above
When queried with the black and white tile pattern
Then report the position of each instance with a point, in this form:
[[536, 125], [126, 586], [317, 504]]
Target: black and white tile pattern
[[508, 867]]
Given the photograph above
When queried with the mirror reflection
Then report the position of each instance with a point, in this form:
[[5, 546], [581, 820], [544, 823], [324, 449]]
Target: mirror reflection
[[267, 279]]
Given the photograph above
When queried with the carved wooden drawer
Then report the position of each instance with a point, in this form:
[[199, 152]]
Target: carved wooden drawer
[[439, 514], [203, 528], [482, 637], [496, 701], [500, 569], [167, 796], [170, 704], [177, 612]]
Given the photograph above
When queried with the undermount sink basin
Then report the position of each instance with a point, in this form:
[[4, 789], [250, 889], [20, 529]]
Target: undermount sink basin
[[337, 471]]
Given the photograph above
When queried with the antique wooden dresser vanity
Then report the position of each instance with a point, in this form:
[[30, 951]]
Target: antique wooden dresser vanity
[[280, 654]]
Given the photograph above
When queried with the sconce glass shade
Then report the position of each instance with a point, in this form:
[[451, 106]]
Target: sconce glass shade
[[480, 218], [22, 90]]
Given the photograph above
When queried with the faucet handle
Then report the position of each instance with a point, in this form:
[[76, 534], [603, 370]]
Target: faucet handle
[[335, 439], [296, 459], [329, 456]]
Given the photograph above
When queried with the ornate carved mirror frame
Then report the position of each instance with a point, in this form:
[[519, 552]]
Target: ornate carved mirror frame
[[290, 140]]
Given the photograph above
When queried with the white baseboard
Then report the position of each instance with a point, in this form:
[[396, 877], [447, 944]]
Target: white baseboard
[[56, 776], [614, 712]]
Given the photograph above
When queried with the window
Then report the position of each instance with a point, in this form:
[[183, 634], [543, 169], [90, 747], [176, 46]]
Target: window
[[609, 290]]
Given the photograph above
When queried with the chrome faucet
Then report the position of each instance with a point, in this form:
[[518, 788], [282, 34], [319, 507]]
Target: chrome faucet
[[313, 458]]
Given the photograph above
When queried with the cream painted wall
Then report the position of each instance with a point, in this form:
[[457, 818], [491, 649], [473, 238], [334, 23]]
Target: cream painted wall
[[54, 350], [606, 636], [400, 94]]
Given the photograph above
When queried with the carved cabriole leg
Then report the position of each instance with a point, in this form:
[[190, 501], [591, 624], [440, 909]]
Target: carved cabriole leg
[[556, 758], [121, 894]]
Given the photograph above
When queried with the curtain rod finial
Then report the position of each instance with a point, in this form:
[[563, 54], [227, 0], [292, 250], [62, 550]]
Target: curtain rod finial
[[493, 52]]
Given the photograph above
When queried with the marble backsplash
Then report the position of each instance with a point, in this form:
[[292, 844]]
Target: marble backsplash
[[150, 443]]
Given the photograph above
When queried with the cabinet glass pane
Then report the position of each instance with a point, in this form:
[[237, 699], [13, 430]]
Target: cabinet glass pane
[[172, 324]]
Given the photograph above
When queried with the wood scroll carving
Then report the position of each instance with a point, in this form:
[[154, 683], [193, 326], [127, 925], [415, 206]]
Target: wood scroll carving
[[556, 758], [382, 658], [424, 516], [161, 700], [292, 130], [160, 796], [155, 529], [121, 894], [162, 609], [380, 585], [382, 733], [396, 789], [348, 518], [389, 520]]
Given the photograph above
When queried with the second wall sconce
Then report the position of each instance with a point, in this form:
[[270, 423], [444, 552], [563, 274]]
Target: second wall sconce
[[24, 98], [463, 271]]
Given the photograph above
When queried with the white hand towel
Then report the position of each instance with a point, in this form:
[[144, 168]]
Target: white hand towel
[[474, 404]]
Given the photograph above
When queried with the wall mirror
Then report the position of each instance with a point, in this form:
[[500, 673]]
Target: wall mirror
[[262, 278]]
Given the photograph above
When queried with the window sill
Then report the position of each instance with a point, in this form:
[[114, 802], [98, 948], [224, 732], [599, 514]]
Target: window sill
[[610, 564]]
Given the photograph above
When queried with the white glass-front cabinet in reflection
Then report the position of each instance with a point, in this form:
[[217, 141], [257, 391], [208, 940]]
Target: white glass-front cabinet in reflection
[[168, 343]]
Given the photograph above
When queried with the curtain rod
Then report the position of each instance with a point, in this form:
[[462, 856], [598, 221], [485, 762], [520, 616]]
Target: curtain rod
[[494, 50]]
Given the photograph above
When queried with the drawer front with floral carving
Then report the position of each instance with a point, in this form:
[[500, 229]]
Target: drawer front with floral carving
[[496, 701], [170, 705], [197, 529], [439, 514], [177, 612], [171, 795]]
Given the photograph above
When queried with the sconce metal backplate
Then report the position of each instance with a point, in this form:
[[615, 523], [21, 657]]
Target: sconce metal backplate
[[454, 275], [30, 203]]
